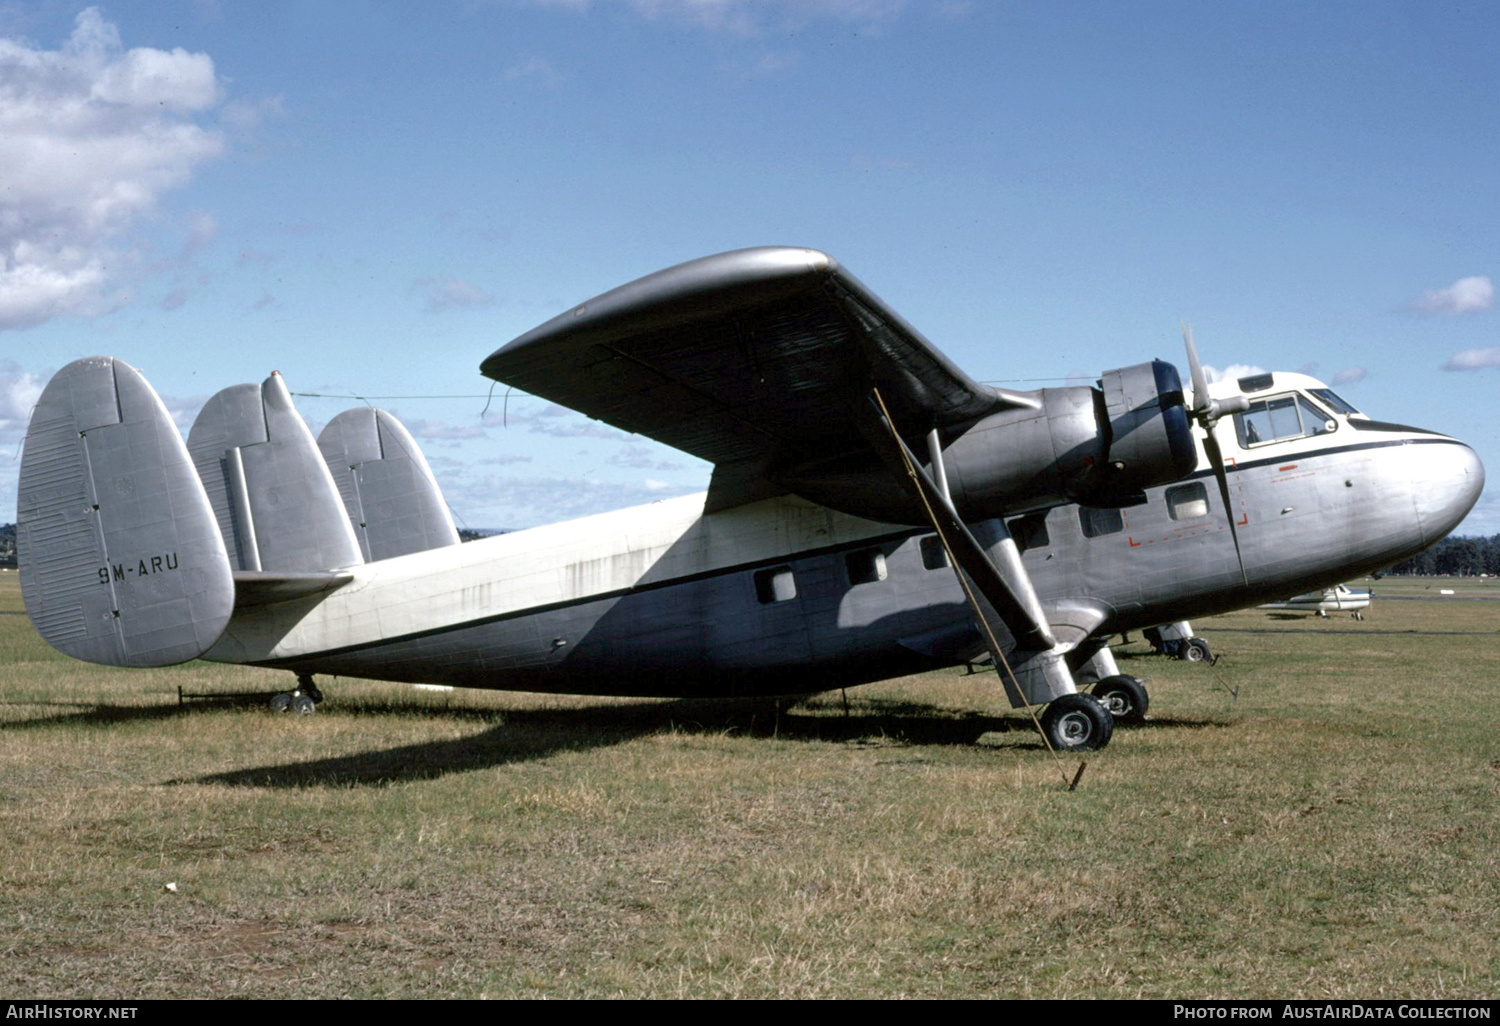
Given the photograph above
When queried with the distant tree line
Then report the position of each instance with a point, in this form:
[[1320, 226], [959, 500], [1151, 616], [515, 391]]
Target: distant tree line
[[7, 544], [1457, 555]]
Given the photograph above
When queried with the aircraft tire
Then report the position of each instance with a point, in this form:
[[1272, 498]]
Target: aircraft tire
[[281, 703], [1077, 723], [1125, 697], [1195, 650], [303, 705]]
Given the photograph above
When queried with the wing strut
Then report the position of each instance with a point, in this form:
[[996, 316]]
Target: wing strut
[[1006, 586], [964, 552]]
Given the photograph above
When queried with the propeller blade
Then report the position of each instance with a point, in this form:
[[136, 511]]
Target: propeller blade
[[1207, 412], [1195, 372], [1216, 458]]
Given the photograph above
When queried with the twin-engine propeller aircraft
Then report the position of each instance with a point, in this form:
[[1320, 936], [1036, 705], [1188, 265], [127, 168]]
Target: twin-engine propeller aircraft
[[873, 512]]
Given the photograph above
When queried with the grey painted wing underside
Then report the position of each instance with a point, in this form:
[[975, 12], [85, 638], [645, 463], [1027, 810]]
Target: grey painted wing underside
[[751, 355], [121, 560]]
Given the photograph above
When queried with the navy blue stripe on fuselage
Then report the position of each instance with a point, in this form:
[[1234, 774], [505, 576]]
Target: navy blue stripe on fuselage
[[899, 535]]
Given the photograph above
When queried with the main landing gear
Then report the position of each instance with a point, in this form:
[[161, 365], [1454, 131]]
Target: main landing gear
[[1125, 697], [1176, 640], [303, 701], [1077, 723]]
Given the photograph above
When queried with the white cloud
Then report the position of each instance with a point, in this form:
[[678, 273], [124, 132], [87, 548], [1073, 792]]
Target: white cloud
[[184, 409], [1467, 295], [555, 421], [1232, 372], [93, 135], [1473, 359], [450, 294], [537, 68], [440, 430], [641, 457], [1349, 375], [19, 391]]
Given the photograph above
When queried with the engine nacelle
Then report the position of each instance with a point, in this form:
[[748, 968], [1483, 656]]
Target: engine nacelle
[[1094, 446], [1097, 447]]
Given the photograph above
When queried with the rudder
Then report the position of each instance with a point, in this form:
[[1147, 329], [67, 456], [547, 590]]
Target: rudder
[[121, 559], [393, 500]]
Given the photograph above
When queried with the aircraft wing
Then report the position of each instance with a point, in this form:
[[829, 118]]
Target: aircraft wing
[[751, 355]]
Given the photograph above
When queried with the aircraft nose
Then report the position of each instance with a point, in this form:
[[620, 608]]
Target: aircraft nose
[[1446, 484]]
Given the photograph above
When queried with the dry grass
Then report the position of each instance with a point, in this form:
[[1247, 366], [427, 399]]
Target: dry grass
[[1330, 832]]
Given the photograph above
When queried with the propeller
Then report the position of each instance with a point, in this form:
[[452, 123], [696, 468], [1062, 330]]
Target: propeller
[[1207, 412]]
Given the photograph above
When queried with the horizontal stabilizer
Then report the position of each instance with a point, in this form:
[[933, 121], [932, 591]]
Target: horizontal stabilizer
[[260, 588], [276, 504], [121, 559], [393, 500]]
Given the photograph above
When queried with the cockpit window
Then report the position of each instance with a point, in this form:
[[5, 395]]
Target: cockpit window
[[1335, 401], [1275, 420]]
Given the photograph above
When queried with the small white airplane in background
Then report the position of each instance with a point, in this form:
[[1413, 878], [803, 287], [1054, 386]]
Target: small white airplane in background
[[1339, 599]]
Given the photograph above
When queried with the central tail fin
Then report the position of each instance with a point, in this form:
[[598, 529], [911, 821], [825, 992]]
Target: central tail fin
[[271, 492]]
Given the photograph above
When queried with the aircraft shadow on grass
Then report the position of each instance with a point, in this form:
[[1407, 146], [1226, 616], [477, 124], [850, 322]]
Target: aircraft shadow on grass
[[527, 735]]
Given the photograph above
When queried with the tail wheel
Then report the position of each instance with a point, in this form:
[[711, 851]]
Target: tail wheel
[[1125, 697], [1077, 723]]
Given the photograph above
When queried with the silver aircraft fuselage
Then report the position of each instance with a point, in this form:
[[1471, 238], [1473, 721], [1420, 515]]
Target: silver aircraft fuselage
[[786, 596]]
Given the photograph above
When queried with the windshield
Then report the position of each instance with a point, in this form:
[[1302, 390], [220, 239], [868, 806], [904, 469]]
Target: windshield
[[1335, 401]]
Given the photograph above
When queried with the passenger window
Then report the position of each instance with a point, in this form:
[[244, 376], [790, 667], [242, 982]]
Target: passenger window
[[1187, 502], [865, 566], [934, 556], [1098, 522], [775, 585], [1030, 531]]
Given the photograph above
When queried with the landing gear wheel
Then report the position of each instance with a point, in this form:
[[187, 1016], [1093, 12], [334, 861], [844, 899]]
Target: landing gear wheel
[[303, 705], [281, 703], [1125, 697], [1077, 723], [1196, 651], [307, 687]]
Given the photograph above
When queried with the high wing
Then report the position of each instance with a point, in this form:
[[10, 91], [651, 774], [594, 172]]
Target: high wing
[[789, 375], [746, 358]]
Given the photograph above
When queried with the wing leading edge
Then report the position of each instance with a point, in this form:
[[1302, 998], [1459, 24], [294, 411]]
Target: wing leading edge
[[750, 359]]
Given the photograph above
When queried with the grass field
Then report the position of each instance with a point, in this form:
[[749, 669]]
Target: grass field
[[1315, 816]]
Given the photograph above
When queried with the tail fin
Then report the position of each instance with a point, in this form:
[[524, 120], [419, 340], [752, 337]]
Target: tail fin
[[393, 501], [121, 560], [275, 502]]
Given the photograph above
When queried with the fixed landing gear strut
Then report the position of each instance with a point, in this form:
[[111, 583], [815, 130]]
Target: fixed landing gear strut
[[303, 701]]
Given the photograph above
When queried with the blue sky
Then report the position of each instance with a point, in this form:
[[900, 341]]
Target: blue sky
[[372, 197]]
